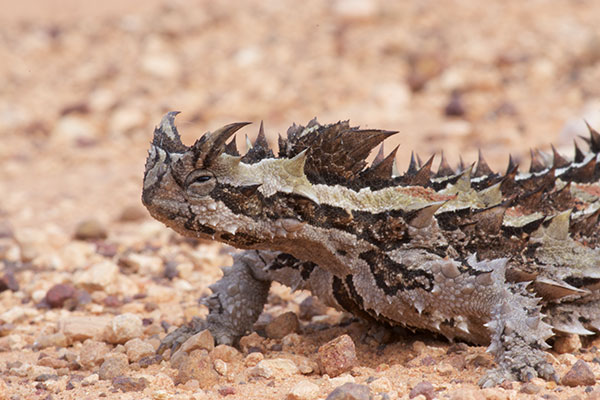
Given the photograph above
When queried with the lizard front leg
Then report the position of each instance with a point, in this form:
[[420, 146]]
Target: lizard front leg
[[238, 299]]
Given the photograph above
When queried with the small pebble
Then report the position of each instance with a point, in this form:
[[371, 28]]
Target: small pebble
[[90, 229], [163, 381], [253, 340], [53, 340], [197, 366], [90, 380], [92, 353], [226, 391], [567, 344], [455, 107], [220, 366], [9, 282], [280, 367], [57, 294], [253, 359], [381, 385], [337, 356], [350, 391], [113, 366], [137, 349], [282, 325], [53, 362], [419, 347], [132, 213], [98, 276], [422, 388], [150, 360], [530, 388], [127, 384], [225, 353], [125, 327], [580, 374], [310, 307], [303, 390], [201, 340], [445, 369], [45, 377]]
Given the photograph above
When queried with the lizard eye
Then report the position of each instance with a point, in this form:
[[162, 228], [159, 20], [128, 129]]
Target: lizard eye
[[200, 183]]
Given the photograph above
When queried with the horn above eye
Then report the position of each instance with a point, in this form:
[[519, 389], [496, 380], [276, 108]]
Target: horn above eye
[[212, 145]]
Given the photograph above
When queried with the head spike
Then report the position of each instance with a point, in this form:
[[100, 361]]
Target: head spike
[[461, 164], [423, 175], [358, 143], [490, 219], [166, 135], [550, 289], [231, 148], [379, 157], [586, 224], [579, 156], [491, 195], [444, 168], [282, 144], [511, 165], [463, 184], [536, 162], [412, 166], [419, 162], [586, 172], [508, 180], [212, 145], [260, 149], [261, 139], [395, 171], [482, 167], [532, 200], [425, 169], [558, 227], [594, 139], [423, 217], [383, 170], [558, 161], [295, 166]]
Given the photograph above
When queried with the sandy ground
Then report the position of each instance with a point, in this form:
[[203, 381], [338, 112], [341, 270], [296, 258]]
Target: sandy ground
[[83, 84]]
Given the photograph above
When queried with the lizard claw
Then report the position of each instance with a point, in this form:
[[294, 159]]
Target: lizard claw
[[175, 339], [546, 371], [494, 377]]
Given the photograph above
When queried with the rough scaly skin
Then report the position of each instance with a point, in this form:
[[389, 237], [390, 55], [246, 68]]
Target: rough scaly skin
[[470, 254]]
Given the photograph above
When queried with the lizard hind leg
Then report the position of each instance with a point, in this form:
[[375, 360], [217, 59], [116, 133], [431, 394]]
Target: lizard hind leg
[[518, 338]]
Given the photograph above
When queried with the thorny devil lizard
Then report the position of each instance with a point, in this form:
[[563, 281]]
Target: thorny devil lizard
[[473, 255]]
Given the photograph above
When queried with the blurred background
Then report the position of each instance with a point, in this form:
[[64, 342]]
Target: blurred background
[[82, 84]]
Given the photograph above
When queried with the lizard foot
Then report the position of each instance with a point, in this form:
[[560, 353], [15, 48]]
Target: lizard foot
[[175, 339], [498, 375]]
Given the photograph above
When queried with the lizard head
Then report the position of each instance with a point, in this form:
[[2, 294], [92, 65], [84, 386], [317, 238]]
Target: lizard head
[[318, 184], [207, 190]]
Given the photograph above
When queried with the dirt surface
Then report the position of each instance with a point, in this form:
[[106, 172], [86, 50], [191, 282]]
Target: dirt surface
[[83, 85]]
